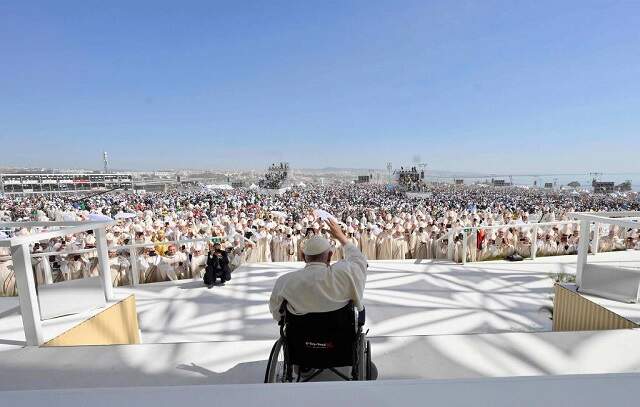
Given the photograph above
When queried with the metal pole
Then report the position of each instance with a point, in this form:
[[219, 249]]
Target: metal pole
[[534, 242], [464, 246], [583, 249], [103, 260], [29, 308], [596, 238]]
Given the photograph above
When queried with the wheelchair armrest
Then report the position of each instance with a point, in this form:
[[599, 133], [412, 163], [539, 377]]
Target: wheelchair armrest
[[361, 317]]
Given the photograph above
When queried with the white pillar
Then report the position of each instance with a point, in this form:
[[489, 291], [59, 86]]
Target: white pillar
[[596, 238], [29, 307], [103, 260], [583, 249], [450, 245], [534, 242], [464, 246]]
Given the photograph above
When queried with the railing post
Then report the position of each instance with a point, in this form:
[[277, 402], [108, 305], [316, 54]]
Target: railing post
[[534, 241], [133, 259], [583, 249], [596, 238], [103, 260], [464, 246], [29, 308]]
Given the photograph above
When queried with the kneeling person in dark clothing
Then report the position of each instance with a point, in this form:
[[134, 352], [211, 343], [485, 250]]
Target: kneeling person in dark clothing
[[217, 266]]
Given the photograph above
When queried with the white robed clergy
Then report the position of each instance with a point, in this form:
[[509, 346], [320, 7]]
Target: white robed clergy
[[368, 244], [7, 275], [384, 243], [198, 262]]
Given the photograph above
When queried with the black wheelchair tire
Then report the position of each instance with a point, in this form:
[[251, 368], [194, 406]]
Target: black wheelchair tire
[[270, 374], [362, 358]]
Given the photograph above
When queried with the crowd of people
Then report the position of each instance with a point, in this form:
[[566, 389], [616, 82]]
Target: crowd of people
[[252, 227], [275, 176], [411, 179]]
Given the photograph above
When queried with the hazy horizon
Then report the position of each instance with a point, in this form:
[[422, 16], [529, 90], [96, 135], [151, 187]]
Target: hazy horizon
[[486, 87]]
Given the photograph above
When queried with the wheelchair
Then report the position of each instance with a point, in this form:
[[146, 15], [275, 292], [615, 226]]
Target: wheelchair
[[316, 342]]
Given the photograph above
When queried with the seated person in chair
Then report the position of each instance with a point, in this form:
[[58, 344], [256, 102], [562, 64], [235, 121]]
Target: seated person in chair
[[320, 286]]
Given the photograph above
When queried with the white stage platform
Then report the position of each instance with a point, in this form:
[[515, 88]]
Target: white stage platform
[[402, 298], [420, 317], [244, 362]]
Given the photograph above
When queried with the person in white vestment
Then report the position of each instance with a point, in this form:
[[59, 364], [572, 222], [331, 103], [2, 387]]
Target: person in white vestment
[[321, 286], [198, 261]]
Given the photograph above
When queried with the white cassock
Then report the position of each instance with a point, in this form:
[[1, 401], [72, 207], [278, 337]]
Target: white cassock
[[296, 244], [119, 268], [368, 245], [42, 270], [523, 249], [422, 246], [251, 253], [147, 267], [473, 245], [493, 252], [74, 269], [173, 267], [276, 254], [384, 246], [284, 248], [7, 275], [457, 252], [198, 265], [435, 249], [289, 249], [264, 248], [400, 248], [413, 245]]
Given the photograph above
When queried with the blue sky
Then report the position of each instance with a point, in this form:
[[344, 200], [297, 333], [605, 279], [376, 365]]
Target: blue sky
[[489, 86]]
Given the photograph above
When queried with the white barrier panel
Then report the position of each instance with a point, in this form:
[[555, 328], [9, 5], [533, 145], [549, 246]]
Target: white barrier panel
[[612, 282], [70, 297]]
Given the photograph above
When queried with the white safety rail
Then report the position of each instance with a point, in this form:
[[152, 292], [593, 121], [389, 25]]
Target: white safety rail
[[133, 255], [21, 257], [616, 283], [467, 230]]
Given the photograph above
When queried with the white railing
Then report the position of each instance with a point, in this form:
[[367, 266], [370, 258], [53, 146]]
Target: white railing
[[610, 282], [133, 255], [467, 230], [21, 258]]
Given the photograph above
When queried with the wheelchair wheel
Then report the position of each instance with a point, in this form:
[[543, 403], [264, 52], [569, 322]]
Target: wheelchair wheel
[[361, 365], [276, 367]]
